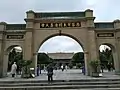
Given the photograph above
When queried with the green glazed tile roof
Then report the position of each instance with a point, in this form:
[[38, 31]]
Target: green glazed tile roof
[[15, 26], [60, 14], [104, 25]]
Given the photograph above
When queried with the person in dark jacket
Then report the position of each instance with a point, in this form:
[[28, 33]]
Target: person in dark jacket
[[50, 72], [38, 70]]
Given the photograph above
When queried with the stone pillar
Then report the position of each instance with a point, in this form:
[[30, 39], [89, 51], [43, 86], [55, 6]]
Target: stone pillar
[[91, 34], [92, 47], [89, 17], [86, 57], [34, 64], [117, 24], [92, 44], [28, 43], [2, 36], [28, 46], [116, 52], [116, 63], [116, 57], [88, 13], [5, 63], [30, 19]]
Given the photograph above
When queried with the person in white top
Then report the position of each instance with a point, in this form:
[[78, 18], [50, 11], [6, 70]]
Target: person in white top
[[62, 67], [13, 69]]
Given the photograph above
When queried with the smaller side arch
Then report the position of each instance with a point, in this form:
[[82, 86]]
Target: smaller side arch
[[115, 56], [11, 47], [6, 57]]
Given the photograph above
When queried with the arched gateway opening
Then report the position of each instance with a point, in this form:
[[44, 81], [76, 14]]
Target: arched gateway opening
[[61, 50], [41, 26], [107, 57]]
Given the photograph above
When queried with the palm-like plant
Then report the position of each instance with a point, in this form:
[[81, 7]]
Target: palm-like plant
[[95, 64], [26, 68]]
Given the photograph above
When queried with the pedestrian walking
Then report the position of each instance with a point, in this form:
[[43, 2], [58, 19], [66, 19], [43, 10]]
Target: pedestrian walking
[[109, 67], [38, 70], [13, 69], [102, 68], [66, 67], [62, 67], [44, 68], [50, 72], [83, 69]]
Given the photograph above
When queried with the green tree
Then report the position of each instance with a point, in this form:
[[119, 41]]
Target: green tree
[[106, 56], [14, 57], [51, 60], [109, 56], [103, 57], [43, 58], [78, 58], [95, 64]]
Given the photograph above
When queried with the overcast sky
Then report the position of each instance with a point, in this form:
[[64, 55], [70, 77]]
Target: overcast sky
[[13, 11]]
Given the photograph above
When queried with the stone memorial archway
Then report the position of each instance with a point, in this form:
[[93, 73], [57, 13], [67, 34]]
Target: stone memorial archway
[[41, 26]]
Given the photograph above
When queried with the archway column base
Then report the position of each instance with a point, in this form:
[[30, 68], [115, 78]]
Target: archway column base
[[34, 63], [2, 75], [87, 74]]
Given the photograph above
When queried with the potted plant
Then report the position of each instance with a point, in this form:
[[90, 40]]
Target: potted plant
[[95, 66], [26, 69]]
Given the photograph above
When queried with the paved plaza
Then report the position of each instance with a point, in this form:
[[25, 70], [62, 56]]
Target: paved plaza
[[70, 74]]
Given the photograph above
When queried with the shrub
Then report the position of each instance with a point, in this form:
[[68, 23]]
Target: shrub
[[95, 64]]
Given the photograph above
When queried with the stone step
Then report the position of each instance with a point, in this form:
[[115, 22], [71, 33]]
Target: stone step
[[59, 89], [44, 81], [89, 84], [61, 83], [62, 87]]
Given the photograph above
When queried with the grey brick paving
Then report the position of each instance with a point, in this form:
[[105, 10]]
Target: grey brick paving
[[70, 74]]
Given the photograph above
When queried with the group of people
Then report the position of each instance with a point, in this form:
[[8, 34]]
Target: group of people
[[109, 67], [64, 67], [49, 69]]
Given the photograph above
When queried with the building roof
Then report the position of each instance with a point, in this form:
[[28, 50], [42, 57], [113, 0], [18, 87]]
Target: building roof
[[60, 55]]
